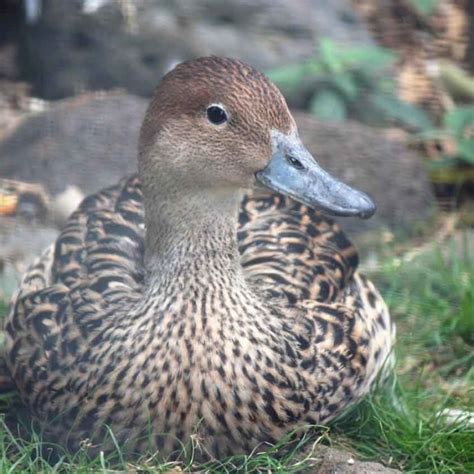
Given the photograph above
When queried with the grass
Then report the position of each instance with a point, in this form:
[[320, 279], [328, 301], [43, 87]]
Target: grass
[[401, 424], [432, 301], [289, 456]]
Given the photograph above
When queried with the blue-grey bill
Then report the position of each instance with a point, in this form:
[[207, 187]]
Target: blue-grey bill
[[293, 171]]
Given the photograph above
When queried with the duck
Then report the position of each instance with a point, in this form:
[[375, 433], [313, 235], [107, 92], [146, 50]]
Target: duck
[[207, 297]]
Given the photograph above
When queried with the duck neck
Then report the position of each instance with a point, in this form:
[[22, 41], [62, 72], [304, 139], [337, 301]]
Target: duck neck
[[189, 233]]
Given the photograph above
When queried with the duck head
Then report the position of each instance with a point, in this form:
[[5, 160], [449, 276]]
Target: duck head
[[217, 125]]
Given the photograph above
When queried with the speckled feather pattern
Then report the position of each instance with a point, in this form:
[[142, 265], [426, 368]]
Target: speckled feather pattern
[[86, 347]]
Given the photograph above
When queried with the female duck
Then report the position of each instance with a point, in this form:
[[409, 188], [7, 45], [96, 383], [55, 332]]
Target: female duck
[[152, 324]]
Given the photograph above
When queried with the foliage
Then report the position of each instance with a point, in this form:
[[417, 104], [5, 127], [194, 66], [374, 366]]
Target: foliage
[[294, 453], [350, 83], [424, 7], [458, 127], [398, 429], [431, 298], [3, 308], [459, 123]]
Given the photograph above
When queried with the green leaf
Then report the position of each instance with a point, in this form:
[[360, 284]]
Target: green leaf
[[403, 112], [466, 149], [424, 7], [315, 67], [465, 326], [288, 77], [434, 134], [329, 55], [386, 85], [459, 118], [443, 163], [371, 58], [328, 105], [347, 85], [338, 58]]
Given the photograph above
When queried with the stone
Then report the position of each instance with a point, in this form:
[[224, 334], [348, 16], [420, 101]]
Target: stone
[[88, 142], [335, 461], [374, 162]]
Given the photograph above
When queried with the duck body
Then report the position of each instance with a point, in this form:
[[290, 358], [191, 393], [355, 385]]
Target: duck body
[[167, 319]]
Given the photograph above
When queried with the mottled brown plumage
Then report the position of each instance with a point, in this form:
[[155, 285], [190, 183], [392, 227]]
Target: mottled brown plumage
[[148, 314]]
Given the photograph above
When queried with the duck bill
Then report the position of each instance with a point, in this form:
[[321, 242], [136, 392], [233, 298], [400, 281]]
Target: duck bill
[[294, 172]]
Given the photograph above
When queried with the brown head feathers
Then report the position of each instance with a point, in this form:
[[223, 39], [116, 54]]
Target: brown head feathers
[[253, 103]]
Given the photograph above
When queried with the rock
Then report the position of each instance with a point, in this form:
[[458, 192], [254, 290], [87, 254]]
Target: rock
[[21, 242], [382, 167], [12, 108], [91, 142], [334, 461], [82, 45]]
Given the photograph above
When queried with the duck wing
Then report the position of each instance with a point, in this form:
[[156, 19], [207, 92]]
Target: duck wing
[[96, 261], [338, 317], [292, 250]]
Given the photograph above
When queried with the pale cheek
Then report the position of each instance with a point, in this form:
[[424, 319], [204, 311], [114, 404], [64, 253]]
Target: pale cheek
[[263, 157]]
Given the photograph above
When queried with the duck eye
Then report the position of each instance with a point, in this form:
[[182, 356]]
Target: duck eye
[[216, 115]]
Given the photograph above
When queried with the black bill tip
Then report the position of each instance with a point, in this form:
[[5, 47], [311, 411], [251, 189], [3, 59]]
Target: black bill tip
[[367, 209]]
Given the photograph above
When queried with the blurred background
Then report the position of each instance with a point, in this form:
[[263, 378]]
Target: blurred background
[[383, 94]]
